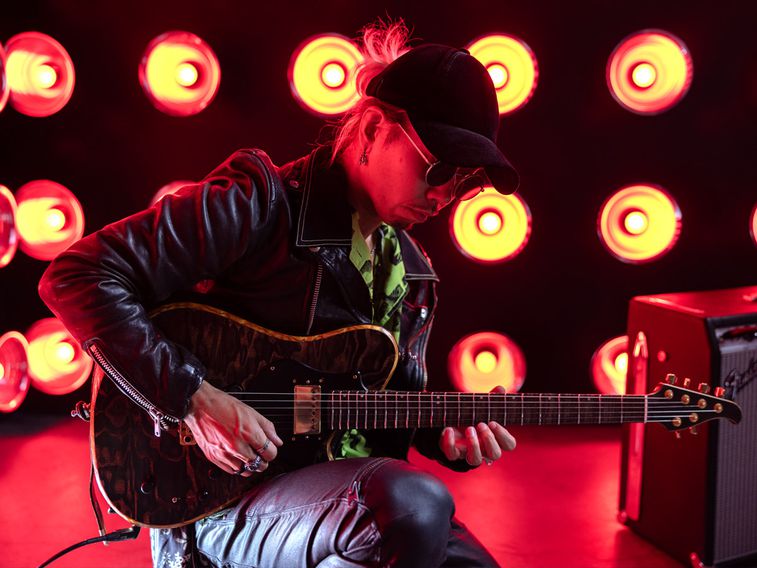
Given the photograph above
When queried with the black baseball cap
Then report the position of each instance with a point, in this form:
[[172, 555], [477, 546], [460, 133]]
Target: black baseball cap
[[451, 102]]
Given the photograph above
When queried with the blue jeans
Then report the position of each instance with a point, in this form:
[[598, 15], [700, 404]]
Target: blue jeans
[[349, 513]]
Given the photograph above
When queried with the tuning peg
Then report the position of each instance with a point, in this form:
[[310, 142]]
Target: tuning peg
[[693, 431], [704, 388], [678, 434], [671, 379], [686, 382], [719, 392]]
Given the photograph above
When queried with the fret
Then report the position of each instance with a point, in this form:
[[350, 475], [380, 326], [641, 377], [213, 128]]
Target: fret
[[365, 398], [578, 410], [558, 408], [473, 417], [386, 410], [522, 417], [419, 409], [600, 409], [406, 400], [331, 423], [621, 411], [591, 409], [504, 403], [431, 418], [444, 399], [396, 408], [488, 408], [539, 409], [340, 410], [459, 395], [375, 409]]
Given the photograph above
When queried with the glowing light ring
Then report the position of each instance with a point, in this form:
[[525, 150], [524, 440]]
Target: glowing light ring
[[497, 246], [8, 233], [514, 58], [661, 234], [753, 225], [609, 366], [481, 361], [667, 55], [165, 57], [40, 201], [169, 189], [49, 372], [14, 376], [306, 80], [4, 89], [27, 54]]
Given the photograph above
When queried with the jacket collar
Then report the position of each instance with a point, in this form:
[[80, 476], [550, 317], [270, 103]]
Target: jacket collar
[[325, 215]]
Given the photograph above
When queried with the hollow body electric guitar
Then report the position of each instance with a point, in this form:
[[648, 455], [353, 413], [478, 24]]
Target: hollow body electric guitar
[[313, 389]]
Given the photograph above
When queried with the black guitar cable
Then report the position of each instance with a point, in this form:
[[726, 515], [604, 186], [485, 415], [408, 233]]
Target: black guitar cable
[[129, 533], [116, 536]]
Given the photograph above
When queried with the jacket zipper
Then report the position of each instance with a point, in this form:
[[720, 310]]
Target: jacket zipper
[[160, 419], [316, 290]]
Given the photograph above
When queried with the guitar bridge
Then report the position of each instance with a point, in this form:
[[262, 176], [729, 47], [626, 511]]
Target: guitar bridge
[[307, 410]]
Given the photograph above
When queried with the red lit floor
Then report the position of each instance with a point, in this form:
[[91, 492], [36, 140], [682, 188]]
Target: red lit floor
[[549, 504]]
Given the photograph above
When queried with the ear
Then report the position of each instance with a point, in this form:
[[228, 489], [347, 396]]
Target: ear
[[370, 123]]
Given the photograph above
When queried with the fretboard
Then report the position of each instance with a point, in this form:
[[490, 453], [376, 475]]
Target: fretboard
[[402, 409]]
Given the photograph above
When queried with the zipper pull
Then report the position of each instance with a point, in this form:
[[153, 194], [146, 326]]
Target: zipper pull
[[156, 416]]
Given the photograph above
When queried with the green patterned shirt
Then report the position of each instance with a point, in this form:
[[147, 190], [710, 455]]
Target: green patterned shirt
[[384, 275]]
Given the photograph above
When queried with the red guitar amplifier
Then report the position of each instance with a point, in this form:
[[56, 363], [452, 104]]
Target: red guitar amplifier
[[695, 496]]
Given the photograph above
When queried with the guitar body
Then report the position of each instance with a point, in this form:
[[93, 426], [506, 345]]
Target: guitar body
[[166, 481]]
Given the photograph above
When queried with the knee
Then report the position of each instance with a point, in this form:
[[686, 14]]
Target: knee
[[408, 499]]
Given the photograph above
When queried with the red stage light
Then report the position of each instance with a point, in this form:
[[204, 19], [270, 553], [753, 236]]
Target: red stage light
[[512, 66], [8, 234], [639, 223], [179, 73], [482, 361], [14, 376], [649, 72], [753, 225], [57, 365], [322, 74], [49, 219], [40, 74], [4, 89], [490, 227], [168, 189], [609, 366]]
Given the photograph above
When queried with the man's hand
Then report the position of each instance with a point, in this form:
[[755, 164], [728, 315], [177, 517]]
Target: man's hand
[[484, 442], [229, 432]]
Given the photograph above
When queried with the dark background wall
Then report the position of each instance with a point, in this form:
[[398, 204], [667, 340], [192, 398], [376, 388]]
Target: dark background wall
[[572, 143]]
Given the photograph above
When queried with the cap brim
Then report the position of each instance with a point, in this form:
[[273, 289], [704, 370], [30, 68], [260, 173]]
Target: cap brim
[[465, 148]]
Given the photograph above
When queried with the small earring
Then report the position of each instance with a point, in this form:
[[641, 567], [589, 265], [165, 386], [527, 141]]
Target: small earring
[[364, 157]]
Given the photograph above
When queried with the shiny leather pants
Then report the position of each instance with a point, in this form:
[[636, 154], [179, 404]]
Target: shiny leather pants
[[349, 513]]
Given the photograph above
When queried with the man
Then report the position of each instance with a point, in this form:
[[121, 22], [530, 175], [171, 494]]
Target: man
[[312, 246]]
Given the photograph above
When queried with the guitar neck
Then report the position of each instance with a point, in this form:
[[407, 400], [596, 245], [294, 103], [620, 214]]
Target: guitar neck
[[400, 409]]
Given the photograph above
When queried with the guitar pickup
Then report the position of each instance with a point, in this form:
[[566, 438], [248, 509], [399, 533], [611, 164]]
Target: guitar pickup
[[307, 410]]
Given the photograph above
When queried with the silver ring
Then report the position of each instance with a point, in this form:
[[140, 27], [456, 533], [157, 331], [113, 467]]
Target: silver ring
[[253, 465], [264, 448]]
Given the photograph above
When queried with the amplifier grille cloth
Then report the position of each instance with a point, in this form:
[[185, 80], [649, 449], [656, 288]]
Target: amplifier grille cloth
[[736, 484]]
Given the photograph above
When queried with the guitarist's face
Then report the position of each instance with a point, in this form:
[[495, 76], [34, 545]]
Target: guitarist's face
[[396, 177]]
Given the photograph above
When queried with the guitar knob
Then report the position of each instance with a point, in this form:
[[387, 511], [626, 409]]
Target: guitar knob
[[671, 379], [719, 392], [704, 388]]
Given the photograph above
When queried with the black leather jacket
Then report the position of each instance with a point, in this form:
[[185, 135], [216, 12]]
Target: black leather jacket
[[268, 244]]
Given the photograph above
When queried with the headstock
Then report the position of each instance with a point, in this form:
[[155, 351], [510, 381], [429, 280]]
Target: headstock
[[679, 407]]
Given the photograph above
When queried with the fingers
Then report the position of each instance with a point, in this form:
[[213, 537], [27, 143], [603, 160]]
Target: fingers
[[447, 445], [473, 455], [489, 445], [505, 440], [499, 389]]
